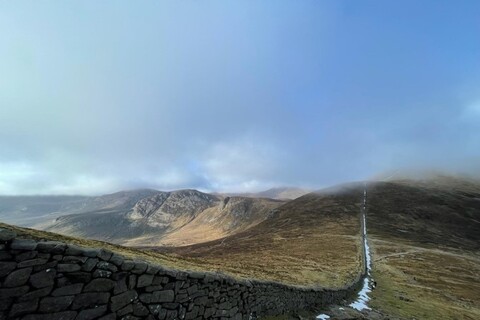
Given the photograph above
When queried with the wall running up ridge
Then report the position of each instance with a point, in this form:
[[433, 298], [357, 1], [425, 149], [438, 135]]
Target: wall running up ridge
[[58, 281]]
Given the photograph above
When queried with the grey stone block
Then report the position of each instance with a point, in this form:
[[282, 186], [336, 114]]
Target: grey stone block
[[98, 273], [48, 265], [140, 267], [22, 308], [196, 275], [31, 263], [43, 278], [5, 305], [144, 280], [127, 265], [91, 252], [140, 310], [23, 244], [83, 277], [7, 235], [171, 314], [99, 285], [53, 247], [7, 267], [64, 315], [74, 250], [72, 289], [104, 265], [157, 311], [120, 286], [55, 304], [110, 316], [68, 267], [153, 288], [117, 260], [125, 310], [26, 256], [13, 292], [132, 281], [145, 298], [94, 313], [89, 264], [104, 254], [152, 269], [17, 278], [163, 296], [5, 256], [75, 259], [35, 294], [90, 299], [170, 305], [121, 300]]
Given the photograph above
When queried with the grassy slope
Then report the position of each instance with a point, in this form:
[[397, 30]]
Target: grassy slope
[[167, 260], [425, 239], [313, 240]]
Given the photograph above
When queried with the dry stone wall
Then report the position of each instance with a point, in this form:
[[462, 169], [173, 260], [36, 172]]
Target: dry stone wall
[[58, 281]]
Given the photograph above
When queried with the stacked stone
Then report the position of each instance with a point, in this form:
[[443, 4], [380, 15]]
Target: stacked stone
[[55, 281]]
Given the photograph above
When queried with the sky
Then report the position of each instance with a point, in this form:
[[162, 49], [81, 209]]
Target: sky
[[101, 96]]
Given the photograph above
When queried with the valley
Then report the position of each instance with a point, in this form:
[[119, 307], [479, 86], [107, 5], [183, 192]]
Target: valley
[[423, 237]]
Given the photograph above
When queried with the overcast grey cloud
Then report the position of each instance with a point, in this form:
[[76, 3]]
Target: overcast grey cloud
[[234, 96]]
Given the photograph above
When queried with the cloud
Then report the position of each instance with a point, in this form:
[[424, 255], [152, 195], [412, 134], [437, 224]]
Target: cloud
[[244, 165], [225, 96]]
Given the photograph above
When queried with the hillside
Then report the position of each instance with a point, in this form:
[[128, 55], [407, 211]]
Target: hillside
[[425, 237], [311, 240], [174, 218]]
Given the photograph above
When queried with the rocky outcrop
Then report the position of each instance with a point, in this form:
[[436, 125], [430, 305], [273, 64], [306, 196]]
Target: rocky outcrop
[[165, 207], [167, 218], [58, 281]]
